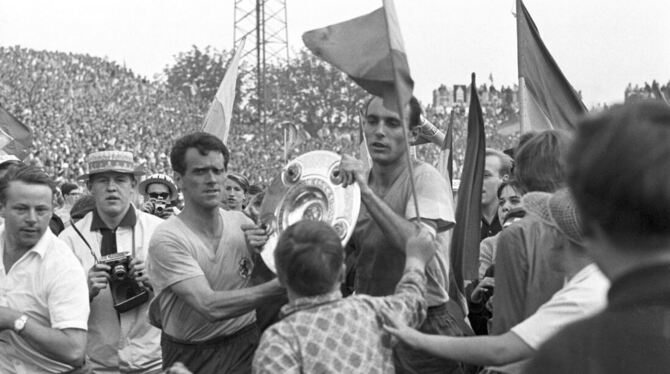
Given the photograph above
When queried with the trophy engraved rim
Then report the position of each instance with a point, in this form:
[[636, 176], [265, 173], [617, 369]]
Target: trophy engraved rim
[[309, 187]]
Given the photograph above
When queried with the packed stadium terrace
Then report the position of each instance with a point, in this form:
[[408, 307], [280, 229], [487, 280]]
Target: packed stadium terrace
[[77, 104]]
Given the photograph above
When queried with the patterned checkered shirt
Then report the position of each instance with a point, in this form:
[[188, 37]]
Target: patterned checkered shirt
[[329, 334]]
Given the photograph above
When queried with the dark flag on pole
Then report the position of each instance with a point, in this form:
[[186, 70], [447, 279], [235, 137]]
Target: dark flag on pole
[[546, 98], [466, 235], [15, 137]]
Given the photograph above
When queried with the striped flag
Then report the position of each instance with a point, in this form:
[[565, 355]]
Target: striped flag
[[217, 121], [546, 98], [370, 50], [15, 137]]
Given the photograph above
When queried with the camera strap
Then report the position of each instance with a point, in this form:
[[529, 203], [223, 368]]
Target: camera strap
[[91, 248]]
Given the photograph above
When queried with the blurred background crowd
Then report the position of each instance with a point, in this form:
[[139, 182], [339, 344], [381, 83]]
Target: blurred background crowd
[[76, 104]]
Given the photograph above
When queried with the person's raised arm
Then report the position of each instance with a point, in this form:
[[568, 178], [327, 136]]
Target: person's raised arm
[[396, 227]]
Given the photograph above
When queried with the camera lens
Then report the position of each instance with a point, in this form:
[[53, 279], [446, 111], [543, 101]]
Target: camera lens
[[119, 272]]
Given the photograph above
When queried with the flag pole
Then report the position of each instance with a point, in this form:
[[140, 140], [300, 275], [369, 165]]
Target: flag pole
[[401, 110], [285, 144], [524, 120]]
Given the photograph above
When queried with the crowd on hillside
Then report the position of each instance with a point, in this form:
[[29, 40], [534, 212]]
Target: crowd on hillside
[[552, 270], [77, 104]]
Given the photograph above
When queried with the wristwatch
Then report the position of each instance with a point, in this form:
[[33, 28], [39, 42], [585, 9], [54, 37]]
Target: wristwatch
[[20, 323]]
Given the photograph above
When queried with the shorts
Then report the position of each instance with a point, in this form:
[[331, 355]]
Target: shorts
[[228, 354]]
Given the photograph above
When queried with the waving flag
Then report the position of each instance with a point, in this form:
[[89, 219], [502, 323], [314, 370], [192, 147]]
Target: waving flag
[[217, 121], [15, 137], [370, 50], [294, 135], [547, 100]]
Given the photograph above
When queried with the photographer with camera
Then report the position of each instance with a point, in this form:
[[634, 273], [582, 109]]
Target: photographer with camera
[[160, 194], [111, 243]]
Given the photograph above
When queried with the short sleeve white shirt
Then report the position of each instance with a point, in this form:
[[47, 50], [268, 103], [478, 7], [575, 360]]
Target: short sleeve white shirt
[[584, 295], [49, 285]]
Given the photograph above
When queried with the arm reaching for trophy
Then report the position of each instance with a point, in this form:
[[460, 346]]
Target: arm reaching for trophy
[[398, 228]]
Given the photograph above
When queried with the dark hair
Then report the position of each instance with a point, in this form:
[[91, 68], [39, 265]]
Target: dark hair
[[9, 164], [66, 188], [82, 207], [309, 258], [512, 183], [203, 142], [415, 110], [619, 173], [540, 161], [27, 175], [524, 138]]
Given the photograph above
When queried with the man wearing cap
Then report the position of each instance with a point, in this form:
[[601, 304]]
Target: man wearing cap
[[118, 340], [43, 295], [6, 161], [160, 195], [619, 173]]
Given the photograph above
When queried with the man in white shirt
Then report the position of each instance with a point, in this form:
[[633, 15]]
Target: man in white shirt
[[43, 295]]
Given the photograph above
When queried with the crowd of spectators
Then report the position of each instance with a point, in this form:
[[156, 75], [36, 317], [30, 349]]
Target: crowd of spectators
[[77, 104], [647, 91]]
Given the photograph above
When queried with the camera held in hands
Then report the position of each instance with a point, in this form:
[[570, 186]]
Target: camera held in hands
[[127, 294]]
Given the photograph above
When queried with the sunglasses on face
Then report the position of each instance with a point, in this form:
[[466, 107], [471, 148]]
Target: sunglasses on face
[[159, 195]]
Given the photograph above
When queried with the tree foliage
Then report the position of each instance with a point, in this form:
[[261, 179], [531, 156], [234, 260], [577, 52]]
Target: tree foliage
[[197, 73], [314, 94], [305, 91]]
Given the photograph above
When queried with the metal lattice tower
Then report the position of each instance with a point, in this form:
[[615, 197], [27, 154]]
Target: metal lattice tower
[[263, 24]]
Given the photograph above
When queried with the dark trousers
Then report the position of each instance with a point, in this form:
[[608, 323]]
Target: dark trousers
[[440, 320], [228, 354]]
